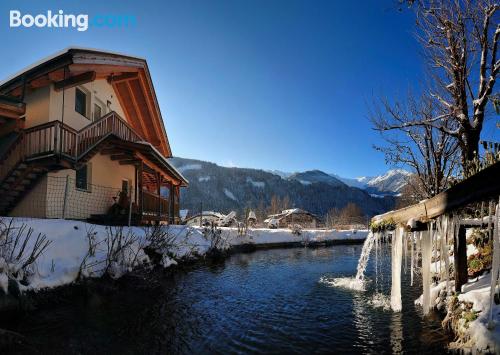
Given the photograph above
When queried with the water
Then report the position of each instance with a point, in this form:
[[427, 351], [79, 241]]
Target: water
[[272, 301], [357, 283]]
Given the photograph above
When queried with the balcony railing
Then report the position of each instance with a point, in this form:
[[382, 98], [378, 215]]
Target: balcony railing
[[57, 138], [154, 205], [111, 123]]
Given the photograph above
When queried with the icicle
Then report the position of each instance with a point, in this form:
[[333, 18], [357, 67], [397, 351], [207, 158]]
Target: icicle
[[405, 247], [445, 252], [426, 264], [495, 271], [377, 237], [397, 245], [439, 242], [434, 242], [413, 236], [419, 248]]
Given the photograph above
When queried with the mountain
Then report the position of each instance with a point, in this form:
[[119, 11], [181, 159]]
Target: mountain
[[392, 181], [213, 187], [389, 183], [314, 176]]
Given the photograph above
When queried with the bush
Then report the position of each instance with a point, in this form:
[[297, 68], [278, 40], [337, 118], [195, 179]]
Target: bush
[[19, 251]]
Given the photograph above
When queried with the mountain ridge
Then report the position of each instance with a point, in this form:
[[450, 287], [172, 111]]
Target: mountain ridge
[[224, 189]]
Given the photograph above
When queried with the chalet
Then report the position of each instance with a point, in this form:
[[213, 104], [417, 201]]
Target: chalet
[[290, 217], [88, 119]]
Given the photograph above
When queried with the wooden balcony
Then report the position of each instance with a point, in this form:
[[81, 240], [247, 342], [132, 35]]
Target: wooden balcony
[[54, 145]]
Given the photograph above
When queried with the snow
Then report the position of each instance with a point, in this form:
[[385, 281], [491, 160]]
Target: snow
[[478, 293], [259, 184], [377, 196], [187, 167], [60, 263], [305, 182], [183, 214], [203, 178], [230, 195]]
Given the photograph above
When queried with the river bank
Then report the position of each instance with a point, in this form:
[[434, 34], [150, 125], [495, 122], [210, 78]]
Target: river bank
[[77, 250]]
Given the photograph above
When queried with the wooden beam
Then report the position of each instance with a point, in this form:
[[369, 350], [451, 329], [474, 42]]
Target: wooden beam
[[138, 111], [122, 156], [129, 162], [123, 77], [478, 187], [75, 80], [155, 117], [460, 258], [109, 151], [56, 75], [40, 82]]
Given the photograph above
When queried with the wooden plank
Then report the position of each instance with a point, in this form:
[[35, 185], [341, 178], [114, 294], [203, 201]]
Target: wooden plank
[[73, 81], [460, 258], [479, 187]]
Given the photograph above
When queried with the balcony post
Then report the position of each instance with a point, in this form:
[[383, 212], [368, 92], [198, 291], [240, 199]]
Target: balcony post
[[158, 188], [140, 193], [171, 206]]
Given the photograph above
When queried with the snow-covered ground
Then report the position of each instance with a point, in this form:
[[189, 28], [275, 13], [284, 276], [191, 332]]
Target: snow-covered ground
[[61, 263]]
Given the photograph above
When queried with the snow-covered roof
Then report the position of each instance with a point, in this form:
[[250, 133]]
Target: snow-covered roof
[[289, 212]]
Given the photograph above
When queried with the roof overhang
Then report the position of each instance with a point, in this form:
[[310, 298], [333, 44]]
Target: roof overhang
[[129, 76]]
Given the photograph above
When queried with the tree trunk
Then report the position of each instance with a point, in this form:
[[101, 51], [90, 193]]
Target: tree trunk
[[470, 150]]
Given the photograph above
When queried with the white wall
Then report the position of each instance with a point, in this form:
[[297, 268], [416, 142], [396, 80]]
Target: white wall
[[99, 89]]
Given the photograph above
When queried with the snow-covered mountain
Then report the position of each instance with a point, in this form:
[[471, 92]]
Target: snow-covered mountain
[[224, 189], [313, 176], [392, 181]]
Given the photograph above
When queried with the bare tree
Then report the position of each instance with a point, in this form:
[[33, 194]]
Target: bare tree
[[429, 152], [351, 214], [460, 41]]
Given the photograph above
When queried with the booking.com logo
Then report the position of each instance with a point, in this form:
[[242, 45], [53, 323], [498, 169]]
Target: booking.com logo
[[80, 22]]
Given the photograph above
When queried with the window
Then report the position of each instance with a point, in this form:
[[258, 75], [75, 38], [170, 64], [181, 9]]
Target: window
[[82, 178], [81, 102], [97, 112]]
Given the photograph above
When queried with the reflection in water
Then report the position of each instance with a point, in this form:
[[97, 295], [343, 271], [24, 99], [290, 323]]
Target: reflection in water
[[264, 302], [396, 332]]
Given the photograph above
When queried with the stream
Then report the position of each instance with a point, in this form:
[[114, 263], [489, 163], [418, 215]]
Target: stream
[[268, 301]]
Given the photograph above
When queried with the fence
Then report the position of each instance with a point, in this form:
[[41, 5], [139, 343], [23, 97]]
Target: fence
[[58, 197]]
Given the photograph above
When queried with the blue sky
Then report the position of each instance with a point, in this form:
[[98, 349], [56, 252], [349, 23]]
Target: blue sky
[[277, 84]]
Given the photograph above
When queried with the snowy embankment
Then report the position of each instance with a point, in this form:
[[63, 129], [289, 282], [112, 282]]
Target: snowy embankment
[[81, 250], [468, 313], [475, 332]]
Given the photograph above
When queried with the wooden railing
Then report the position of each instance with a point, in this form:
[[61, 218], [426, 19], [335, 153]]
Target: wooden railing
[[154, 205], [111, 123], [56, 138], [40, 141]]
